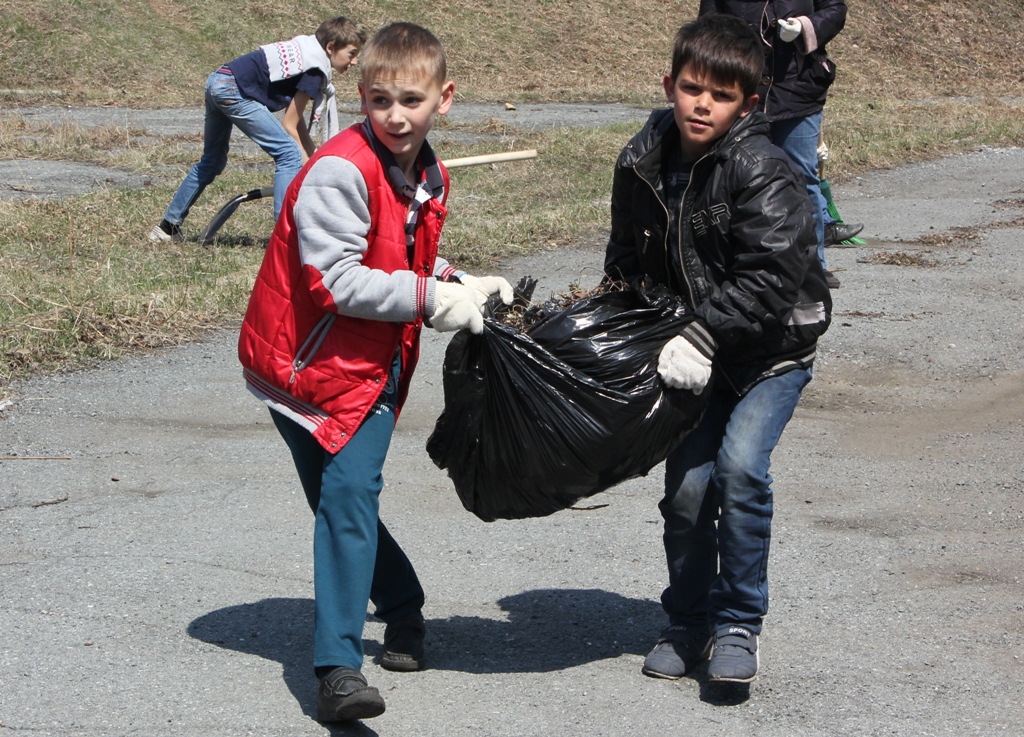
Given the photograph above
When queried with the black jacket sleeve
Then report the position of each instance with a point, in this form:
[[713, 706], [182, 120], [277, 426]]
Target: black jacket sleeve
[[828, 19], [621, 262], [771, 228]]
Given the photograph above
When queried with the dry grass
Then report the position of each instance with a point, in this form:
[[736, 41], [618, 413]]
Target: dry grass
[[157, 53], [899, 259], [79, 281]]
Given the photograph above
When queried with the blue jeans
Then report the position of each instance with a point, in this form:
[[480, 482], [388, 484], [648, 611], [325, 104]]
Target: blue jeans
[[798, 137], [225, 107], [355, 559], [718, 574]]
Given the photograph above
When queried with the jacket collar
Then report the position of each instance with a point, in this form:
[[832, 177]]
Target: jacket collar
[[432, 181]]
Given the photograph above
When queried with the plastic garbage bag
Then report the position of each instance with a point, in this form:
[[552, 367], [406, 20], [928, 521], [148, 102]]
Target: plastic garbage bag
[[536, 420]]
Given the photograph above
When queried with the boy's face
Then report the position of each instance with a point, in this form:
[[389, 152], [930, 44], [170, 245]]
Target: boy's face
[[402, 112], [704, 109], [342, 58]]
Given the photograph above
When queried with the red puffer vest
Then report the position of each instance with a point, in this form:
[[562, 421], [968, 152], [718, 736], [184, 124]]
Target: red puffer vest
[[330, 368]]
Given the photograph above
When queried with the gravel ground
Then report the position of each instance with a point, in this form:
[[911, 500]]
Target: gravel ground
[[159, 580], [188, 121], [21, 179]]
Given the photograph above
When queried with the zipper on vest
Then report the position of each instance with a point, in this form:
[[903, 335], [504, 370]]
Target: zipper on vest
[[312, 345]]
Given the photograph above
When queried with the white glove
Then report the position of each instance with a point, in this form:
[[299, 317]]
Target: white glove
[[456, 308], [789, 29], [486, 286], [682, 366]]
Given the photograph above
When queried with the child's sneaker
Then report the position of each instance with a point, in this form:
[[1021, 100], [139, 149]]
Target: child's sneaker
[[735, 656], [164, 232], [679, 649]]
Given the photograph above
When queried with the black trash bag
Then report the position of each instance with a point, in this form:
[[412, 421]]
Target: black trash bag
[[534, 422]]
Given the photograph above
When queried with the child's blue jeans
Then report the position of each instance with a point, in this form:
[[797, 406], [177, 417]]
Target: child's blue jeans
[[718, 574], [355, 559], [226, 107]]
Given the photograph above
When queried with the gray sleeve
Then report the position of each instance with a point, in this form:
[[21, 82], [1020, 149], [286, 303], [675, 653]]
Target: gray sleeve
[[332, 216]]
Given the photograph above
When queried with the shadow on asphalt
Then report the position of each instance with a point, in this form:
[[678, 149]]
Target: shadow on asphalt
[[276, 629], [545, 630]]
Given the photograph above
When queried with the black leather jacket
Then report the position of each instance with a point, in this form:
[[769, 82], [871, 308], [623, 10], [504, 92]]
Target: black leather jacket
[[746, 259], [797, 74]]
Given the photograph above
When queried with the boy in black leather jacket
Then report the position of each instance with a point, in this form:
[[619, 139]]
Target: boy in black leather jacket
[[704, 203]]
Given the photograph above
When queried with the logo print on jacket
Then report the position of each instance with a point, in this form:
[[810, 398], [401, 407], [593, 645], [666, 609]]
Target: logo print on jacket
[[702, 219]]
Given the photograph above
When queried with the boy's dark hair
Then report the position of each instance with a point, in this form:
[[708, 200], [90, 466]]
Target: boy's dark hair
[[401, 48], [342, 32], [722, 47]]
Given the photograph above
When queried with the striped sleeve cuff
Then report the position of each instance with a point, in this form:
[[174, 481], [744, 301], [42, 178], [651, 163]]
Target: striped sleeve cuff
[[450, 273], [697, 333], [425, 290]]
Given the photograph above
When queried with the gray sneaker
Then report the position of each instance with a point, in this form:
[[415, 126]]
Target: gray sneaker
[[679, 650], [735, 656]]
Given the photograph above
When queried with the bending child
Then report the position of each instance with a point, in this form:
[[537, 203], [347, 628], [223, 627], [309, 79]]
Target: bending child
[[703, 203], [331, 338], [245, 92]]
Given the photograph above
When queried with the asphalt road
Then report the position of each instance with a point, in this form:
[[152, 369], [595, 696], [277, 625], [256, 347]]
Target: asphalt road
[[156, 573]]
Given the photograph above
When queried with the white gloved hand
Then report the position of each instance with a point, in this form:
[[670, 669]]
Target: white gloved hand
[[789, 29], [681, 366], [486, 286], [456, 308], [823, 153]]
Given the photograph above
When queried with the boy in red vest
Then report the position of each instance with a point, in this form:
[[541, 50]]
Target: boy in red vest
[[331, 338]]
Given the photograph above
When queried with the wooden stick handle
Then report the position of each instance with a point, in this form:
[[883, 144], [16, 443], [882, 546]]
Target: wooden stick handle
[[491, 158]]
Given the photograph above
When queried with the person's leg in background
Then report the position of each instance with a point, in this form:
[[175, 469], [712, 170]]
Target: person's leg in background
[[263, 127], [836, 231], [216, 140], [798, 137]]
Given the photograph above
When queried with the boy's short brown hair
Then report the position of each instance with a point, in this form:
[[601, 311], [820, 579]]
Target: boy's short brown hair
[[342, 32], [722, 47], [401, 48]]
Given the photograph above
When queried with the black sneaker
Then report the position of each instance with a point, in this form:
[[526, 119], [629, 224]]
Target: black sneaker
[[679, 650], [164, 232], [735, 656], [836, 232], [831, 280], [344, 696], [403, 643]]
